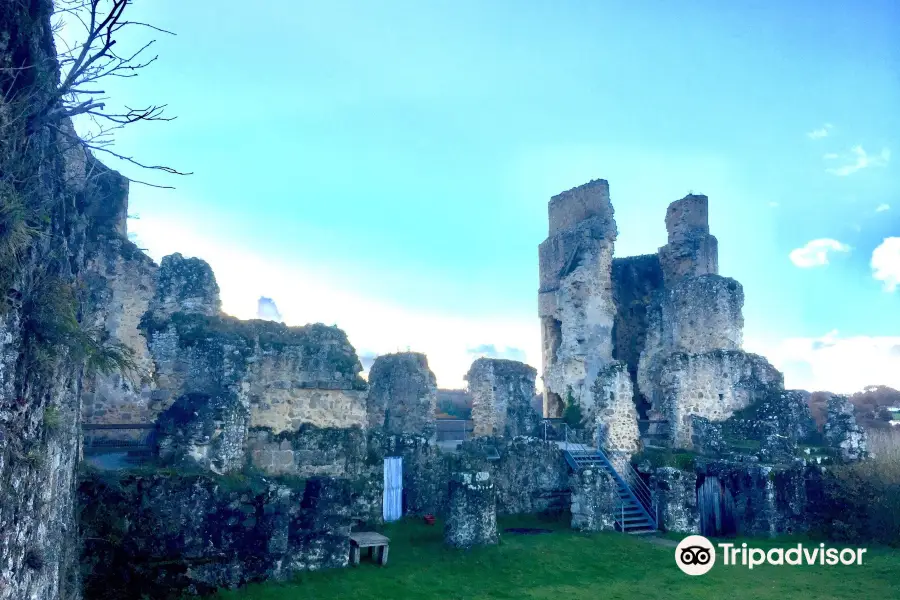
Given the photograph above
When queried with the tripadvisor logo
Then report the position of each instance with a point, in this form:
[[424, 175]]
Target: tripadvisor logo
[[696, 555]]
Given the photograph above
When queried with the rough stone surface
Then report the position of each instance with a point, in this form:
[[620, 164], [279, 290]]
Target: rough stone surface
[[675, 492], [472, 514], [841, 430], [575, 300], [402, 394], [185, 285], [767, 500], [425, 471], [594, 501], [285, 376], [529, 475], [161, 536], [613, 413], [203, 431], [502, 392], [712, 385], [635, 281], [691, 250], [309, 451]]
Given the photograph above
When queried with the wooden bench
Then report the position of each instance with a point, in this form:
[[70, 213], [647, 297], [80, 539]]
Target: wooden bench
[[370, 540]]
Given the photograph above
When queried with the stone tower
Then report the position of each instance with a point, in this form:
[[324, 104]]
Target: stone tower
[[692, 362], [576, 309]]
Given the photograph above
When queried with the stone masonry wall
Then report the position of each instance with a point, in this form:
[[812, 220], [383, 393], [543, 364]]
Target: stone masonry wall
[[502, 392], [691, 250], [402, 394], [575, 300], [594, 501], [712, 385], [613, 413], [675, 492], [635, 280], [472, 516]]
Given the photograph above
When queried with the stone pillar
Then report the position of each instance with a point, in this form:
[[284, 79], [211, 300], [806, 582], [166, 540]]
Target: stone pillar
[[676, 497], [402, 394], [841, 430], [472, 514], [502, 392], [615, 417], [575, 302], [594, 501]]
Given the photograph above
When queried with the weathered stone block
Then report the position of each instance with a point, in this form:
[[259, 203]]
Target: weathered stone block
[[402, 394], [675, 492], [571, 207], [472, 514], [841, 430], [613, 414], [186, 285], [502, 392], [594, 501]]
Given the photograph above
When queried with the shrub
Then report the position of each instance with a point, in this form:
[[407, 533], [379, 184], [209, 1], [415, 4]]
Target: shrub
[[862, 500]]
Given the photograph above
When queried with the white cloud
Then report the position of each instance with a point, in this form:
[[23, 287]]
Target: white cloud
[[883, 207], [815, 252], [817, 134], [374, 326], [834, 363], [886, 263], [861, 160]]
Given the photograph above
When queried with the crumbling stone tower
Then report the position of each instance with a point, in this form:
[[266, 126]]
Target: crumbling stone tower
[[577, 311], [692, 362], [402, 394], [502, 391]]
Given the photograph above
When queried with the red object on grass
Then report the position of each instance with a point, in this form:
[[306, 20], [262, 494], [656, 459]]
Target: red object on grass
[[429, 519]]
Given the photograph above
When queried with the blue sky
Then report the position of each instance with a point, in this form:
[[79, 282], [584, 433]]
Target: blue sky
[[387, 166]]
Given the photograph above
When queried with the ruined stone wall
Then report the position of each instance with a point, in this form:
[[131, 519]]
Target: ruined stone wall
[[472, 515], [309, 451], [402, 394], [842, 431], [594, 501], [675, 492], [502, 392], [635, 280], [160, 536], [712, 385], [691, 250], [529, 475], [575, 300], [185, 285], [125, 279], [613, 412]]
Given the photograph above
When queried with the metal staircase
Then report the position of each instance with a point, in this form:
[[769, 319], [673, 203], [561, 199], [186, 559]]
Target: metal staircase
[[636, 511]]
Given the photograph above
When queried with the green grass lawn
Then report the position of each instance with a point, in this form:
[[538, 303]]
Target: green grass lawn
[[565, 565]]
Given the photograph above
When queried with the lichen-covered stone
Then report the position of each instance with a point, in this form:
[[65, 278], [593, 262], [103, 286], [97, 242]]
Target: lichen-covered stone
[[712, 385], [309, 451], [841, 430], [203, 431], [529, 475], [613, 413], [402, 394], [502, 392], [161, 536], [594, 501], [675, 492], [185, 285], [575, 300], [472, 513], [425, 470]]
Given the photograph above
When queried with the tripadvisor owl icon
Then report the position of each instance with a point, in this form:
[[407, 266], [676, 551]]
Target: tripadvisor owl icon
[[695, 555]]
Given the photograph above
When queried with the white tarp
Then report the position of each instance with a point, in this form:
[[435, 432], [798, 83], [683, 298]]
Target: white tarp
[[393, 488]]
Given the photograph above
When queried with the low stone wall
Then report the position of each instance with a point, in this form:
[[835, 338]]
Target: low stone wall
[[308, 452], [676, 496], [161, 536], [594, 501], [529, 475]]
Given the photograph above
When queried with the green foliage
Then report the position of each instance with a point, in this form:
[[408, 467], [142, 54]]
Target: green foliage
[[683, 460], [572, 414], [52, 419]]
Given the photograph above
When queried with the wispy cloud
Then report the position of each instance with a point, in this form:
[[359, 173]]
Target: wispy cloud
[[491, 351], [883, 207], [815, 252], [817, 134], [886, 263], [267, 309], [861, 160]]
